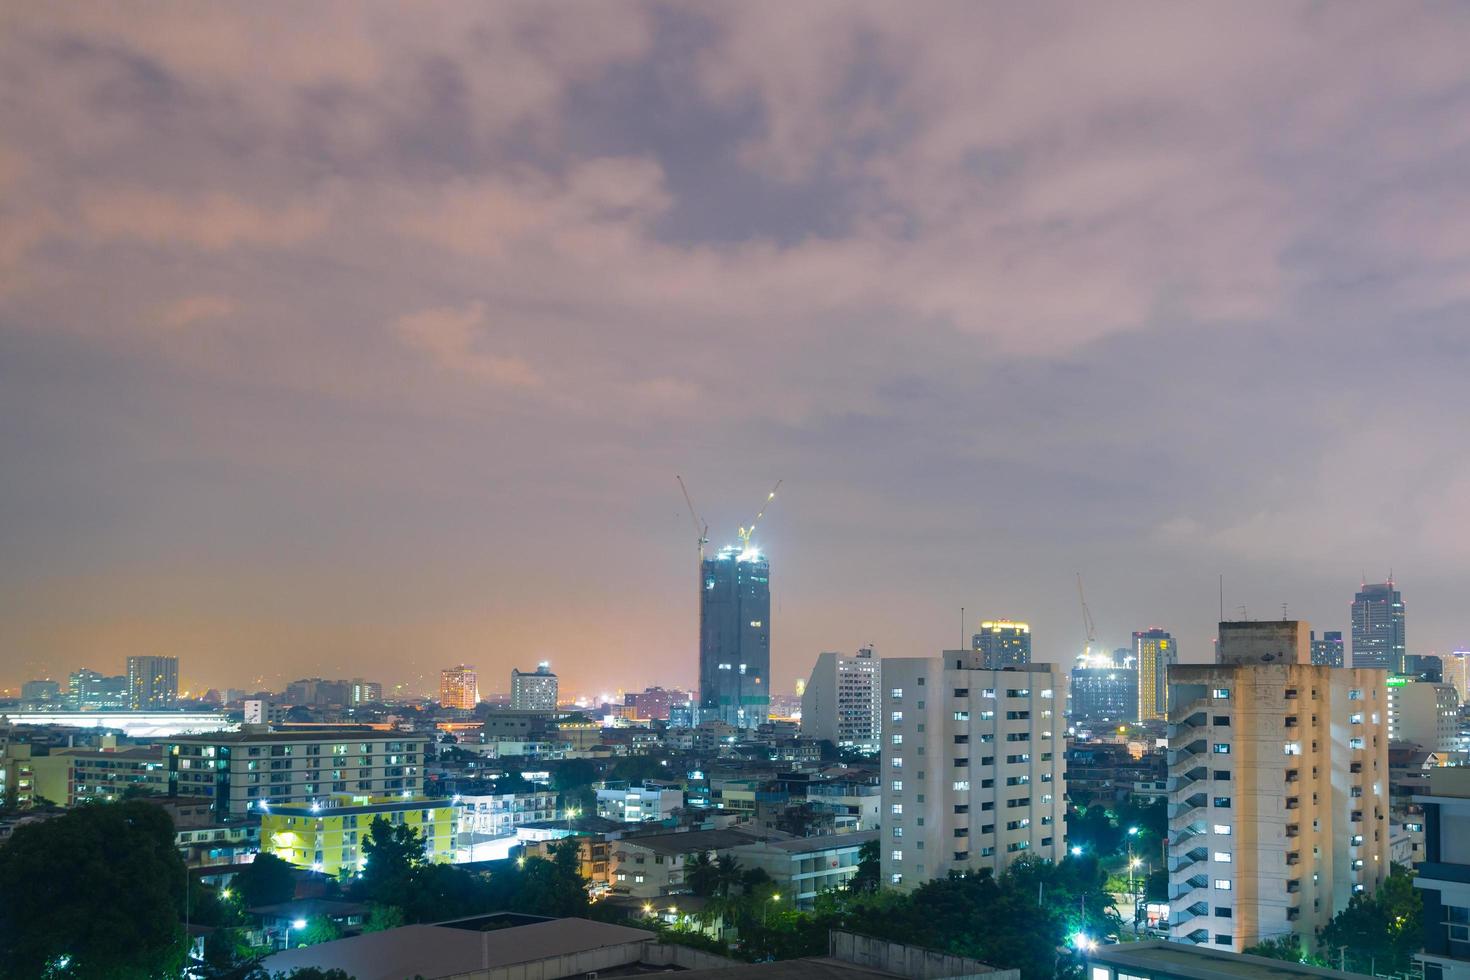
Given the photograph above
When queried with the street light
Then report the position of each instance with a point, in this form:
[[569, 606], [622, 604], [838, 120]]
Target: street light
[[774, 898], [1133, 863], [1076, 850]]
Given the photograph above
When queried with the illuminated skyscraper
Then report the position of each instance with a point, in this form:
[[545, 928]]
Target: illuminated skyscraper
[[1002, 643], [1378, 628], [735, 637], [153, 682], [459, 687], [1155, 652], [842, 701]]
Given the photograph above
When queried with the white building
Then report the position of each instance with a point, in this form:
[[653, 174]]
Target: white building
[[1278, 805], [536, 691], [636, 804], [1424, 713], [804, 867], [247, 770], [973, 766], [842, 702]]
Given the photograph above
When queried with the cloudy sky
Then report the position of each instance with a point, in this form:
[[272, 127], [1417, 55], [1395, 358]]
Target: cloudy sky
[[346, 339]]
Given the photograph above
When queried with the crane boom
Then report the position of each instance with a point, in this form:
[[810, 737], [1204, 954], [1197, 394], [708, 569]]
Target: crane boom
[[701, 529], [746, 532], [1087, 624]]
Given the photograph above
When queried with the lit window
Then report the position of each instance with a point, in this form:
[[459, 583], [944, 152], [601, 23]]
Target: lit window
[[897, 855], [1223, 829], [1292, 748], [896, 694], [898, 785], [1221, 748], [961, 785], [898, 716], [897, 809], [1222, 857], [895, 879], [898, 762], [1355, 743], [1221, 693], [1355, 719], [1355, 695], [897, 739], [961, 716], [1222, 884]]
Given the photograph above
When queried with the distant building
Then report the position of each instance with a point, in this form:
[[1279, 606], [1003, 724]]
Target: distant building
[[735, 637], [805, 867], [153, 683], [1104, 691], [41, 692], [638, 804], [533, 691], [1328, 651], [1002, 643], [1456, 670], [1424, 713], [327, 835], [1378, 628], [654, 703], [73, 776], [842, 701], [973, 766], [1154, 651], [1278, 789], [88, 690], [364, 692], [1425, 666], [459, 687]]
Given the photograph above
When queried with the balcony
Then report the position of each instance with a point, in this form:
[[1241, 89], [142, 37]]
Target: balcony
[[1185, 755], [1189, 912], [1194, 856], [1293, 859], [1188, 885], [1187, 806], [1197, 937]]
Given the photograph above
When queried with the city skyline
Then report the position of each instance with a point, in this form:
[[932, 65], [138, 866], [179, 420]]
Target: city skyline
[[349, 367]]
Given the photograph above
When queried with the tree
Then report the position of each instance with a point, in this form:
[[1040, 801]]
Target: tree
[[391, 852], [701, 875], [383, 917], [102, 886], [1287, 948], [868, 870], [265, 881], [1380, 932], [319, 929]]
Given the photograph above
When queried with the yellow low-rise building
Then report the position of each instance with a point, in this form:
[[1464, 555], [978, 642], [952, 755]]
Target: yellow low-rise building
[[327, 835]]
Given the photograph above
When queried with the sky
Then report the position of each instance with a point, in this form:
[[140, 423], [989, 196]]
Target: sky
[[365, 339]]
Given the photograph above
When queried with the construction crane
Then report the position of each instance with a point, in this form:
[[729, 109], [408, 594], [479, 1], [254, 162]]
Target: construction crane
[[746, 532], [701, 529], [1088, 626]]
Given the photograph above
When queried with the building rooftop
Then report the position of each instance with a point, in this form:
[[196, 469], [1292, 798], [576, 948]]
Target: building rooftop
[[807, 968], [803, 845], [1157, 958], [312, 735], [382, 805], [445, 950], [691, 841]]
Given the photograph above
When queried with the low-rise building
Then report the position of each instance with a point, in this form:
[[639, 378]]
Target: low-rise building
[[497, 814], [327, 835], [654, 865], [638, 804], [108, 772], [1156, 960], [804, 867]]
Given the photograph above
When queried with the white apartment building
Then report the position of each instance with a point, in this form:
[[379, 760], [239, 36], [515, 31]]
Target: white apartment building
[[804, 867], [973, 766], [499, 814], [533, 691], [843, 702], [1278, 774], [242, 770], [636, 804], [1424, 713]]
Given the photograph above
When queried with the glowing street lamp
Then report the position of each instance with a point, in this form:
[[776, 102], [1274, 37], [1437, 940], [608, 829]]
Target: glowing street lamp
[[298, 924]]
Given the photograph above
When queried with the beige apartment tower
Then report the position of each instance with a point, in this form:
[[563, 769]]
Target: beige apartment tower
[[459, 687], [1278, 775], [973, 766]]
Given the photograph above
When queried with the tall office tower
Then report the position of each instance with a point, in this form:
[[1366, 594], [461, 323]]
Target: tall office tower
[[1328, 651], [459, 687], [842, 701], [364, 692], [1378, 628], [153, 682], [1003, 643], [973, 766], [1424, 666], [1456, 671], [735, 638], [534, 690], [89, 690], [1155, 654], [1424, 713], [1278, 788], [1104, 691]]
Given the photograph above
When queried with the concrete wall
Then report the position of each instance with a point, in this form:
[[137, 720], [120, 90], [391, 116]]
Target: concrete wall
[[909, 961]]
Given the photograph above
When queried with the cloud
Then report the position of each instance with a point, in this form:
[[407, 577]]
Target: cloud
[[212, 222], [189, 310], [452, 338]]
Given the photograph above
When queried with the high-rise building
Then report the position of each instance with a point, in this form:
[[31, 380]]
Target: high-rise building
[[153, 682], [973, 766], [1424, 666], [43, 692], [364, 692], [735, 638], [459, 687], [1002, 643], [88, 690], [1456, 671], [1328, 651], [654, 703], [1443, 875], [534, 690], [842, 701], [1278, 788], [1104, 690], [1155, 652], [1424, 713], [1378, 628]]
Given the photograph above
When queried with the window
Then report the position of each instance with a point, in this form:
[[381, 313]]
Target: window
[[1223, 940], [1222, 884], [897, 738], [1221, 693], [962, 692], [1221, 748], [1355, 695], [896, 694], [898, 785], [896, 809], [961, 763], [895, 878], [1355, 719], [1223, 802], [898, 716], [1222, 857], [1223, 829], [1221, 774], [1355, 743], [897, 855], [961, 716], [961, 785], [1292, 748], [1023, 692], [898, 762], [1223, 912]]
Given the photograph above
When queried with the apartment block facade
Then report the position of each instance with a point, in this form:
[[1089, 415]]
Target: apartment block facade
[[242, 770], [842, 702], [973, 766], [327, 835], [1278, 788]]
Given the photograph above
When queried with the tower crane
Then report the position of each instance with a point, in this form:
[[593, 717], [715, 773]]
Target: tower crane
[[746, 532], [701, 529], [1088, 627]]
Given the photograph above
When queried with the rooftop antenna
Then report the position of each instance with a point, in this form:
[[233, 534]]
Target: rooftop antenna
[[962, 628], [1222, 597], [1283, 612], [746, 532], [1244, 615]]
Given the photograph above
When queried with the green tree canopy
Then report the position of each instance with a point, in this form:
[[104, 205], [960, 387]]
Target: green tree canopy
[[96, 893], [265, 881]]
